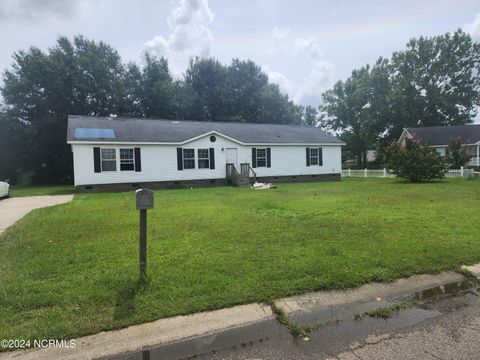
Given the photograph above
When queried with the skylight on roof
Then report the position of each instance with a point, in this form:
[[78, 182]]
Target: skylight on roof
[[88, 133]]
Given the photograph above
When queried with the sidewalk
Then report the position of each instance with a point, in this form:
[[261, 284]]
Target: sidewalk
[[177, 329], [13, 209]]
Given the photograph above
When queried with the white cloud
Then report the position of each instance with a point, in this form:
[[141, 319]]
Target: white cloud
[[308, 46], [473, 28], [189, 21], [320, 76], [280, 34], [281, 39], [280, 79]]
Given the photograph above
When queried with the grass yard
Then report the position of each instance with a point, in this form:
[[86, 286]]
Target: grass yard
[[19, 190], [72, 269]]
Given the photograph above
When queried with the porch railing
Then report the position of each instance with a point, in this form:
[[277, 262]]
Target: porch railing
[[247, 170]]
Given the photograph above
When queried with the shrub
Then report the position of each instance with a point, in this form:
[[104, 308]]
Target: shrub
[[457, 154], [415, 161]]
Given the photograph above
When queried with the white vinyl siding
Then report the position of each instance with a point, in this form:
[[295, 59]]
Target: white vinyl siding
[[159, 162]]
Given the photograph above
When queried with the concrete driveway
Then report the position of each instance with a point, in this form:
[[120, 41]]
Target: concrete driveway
[[13, 209]]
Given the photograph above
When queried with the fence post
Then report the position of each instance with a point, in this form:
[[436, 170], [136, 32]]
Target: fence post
[[384, 172], [350, 172], [461, 171], [365, 172]]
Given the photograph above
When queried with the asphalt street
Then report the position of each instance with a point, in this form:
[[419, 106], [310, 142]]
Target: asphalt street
[[447, 329]]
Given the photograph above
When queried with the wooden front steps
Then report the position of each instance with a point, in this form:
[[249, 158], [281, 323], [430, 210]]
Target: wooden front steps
[[245, 178]]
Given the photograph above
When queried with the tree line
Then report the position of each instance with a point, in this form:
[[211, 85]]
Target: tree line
[[435, 81], [88, 78]]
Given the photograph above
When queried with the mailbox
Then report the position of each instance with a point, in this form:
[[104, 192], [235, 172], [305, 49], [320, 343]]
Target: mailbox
[[144, 199]]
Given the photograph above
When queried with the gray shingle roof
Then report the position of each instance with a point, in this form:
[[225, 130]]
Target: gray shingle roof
[[443, 135], [159, 130]]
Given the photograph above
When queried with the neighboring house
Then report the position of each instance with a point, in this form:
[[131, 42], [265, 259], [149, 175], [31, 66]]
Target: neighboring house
[[109, 151], [440, 137]]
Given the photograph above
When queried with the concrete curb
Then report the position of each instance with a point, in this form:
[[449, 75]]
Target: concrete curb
[[144, 336], [371, 292], [181, 328], [330, 307]]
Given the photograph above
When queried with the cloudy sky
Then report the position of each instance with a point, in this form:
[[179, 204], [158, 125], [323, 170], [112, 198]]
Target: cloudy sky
[[303, 45]]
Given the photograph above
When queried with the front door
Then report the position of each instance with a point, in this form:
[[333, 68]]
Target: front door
[[232, 156]]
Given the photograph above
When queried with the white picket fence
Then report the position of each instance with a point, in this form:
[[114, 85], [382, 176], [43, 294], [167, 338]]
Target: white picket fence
[[383, 173]]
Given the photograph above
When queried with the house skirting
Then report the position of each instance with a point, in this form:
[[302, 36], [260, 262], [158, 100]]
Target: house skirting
[[185, 184], [299, 178]]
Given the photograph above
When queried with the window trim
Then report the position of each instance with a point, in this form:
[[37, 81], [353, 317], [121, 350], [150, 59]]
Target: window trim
[[114, 160], [261, 157], [207, 158], [133, 158], [188, 159]]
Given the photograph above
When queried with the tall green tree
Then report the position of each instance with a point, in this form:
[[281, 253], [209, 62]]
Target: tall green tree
[[41, 89], [310, 115], [158, 89], [132, 103], [435, 82], [237, 92], [347, 109], [205, 80], [85, 77]]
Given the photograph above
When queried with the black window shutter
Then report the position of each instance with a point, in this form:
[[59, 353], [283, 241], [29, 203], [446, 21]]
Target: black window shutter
[[308, 156], [212, 158], [138, 160], [320, 157], [179, 159], [254, 157], [269, 158], [96, 160]]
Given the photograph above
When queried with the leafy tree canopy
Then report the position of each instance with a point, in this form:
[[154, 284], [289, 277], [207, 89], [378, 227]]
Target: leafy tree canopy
[[85, 77], [433, 82]]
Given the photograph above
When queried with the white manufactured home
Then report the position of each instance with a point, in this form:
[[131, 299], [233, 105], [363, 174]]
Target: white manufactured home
[[127, 152]]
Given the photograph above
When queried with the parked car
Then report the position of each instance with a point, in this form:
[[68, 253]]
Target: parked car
[[4, 189]]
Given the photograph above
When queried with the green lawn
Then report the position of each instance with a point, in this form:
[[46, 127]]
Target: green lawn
[[72, 269], [19, 190]]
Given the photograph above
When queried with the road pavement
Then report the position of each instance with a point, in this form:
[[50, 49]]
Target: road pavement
[[445, 329]]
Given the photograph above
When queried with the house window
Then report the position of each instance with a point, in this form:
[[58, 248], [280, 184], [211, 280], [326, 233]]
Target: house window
[[109, 160], [313, 156], [203, 159], [261, 157], [189, 158], [127, 161]]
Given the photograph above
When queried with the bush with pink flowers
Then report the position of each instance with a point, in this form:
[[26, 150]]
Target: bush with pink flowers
[[415, 161]]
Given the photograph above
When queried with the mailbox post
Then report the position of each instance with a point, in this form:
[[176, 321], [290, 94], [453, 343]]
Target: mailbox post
[[144, 200]]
